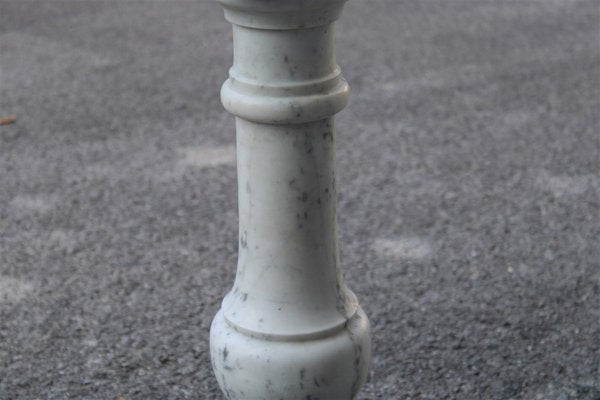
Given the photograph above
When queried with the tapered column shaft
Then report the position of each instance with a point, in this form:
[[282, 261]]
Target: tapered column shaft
[[288, 280]]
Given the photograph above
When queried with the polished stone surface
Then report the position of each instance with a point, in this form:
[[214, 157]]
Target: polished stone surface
[[289, 328], [467, 174]]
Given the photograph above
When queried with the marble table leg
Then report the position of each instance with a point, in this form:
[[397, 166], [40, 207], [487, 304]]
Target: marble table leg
[[289, 328]]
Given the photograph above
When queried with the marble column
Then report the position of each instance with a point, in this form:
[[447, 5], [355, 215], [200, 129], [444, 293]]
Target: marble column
[[289, 328]]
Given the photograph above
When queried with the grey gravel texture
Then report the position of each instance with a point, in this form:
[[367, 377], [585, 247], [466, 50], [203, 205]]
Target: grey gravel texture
[[468, 163]]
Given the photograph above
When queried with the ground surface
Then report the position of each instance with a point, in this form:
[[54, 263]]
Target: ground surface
[[468, 167]]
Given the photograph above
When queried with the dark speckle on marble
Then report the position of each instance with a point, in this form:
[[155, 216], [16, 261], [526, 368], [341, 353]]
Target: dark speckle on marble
[[225, 353]]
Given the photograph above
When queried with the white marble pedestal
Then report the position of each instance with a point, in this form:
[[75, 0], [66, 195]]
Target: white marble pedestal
[[289, 328]]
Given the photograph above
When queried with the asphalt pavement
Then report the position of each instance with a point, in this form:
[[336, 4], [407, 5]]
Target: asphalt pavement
[[468, 177]]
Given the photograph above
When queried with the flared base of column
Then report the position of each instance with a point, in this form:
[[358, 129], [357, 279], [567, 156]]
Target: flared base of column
[[332, 367]]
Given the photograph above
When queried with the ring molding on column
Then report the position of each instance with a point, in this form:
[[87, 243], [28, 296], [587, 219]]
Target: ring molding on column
[[291, 103], [282, 14]]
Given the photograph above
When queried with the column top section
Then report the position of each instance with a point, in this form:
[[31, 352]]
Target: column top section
[[282, 14]]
